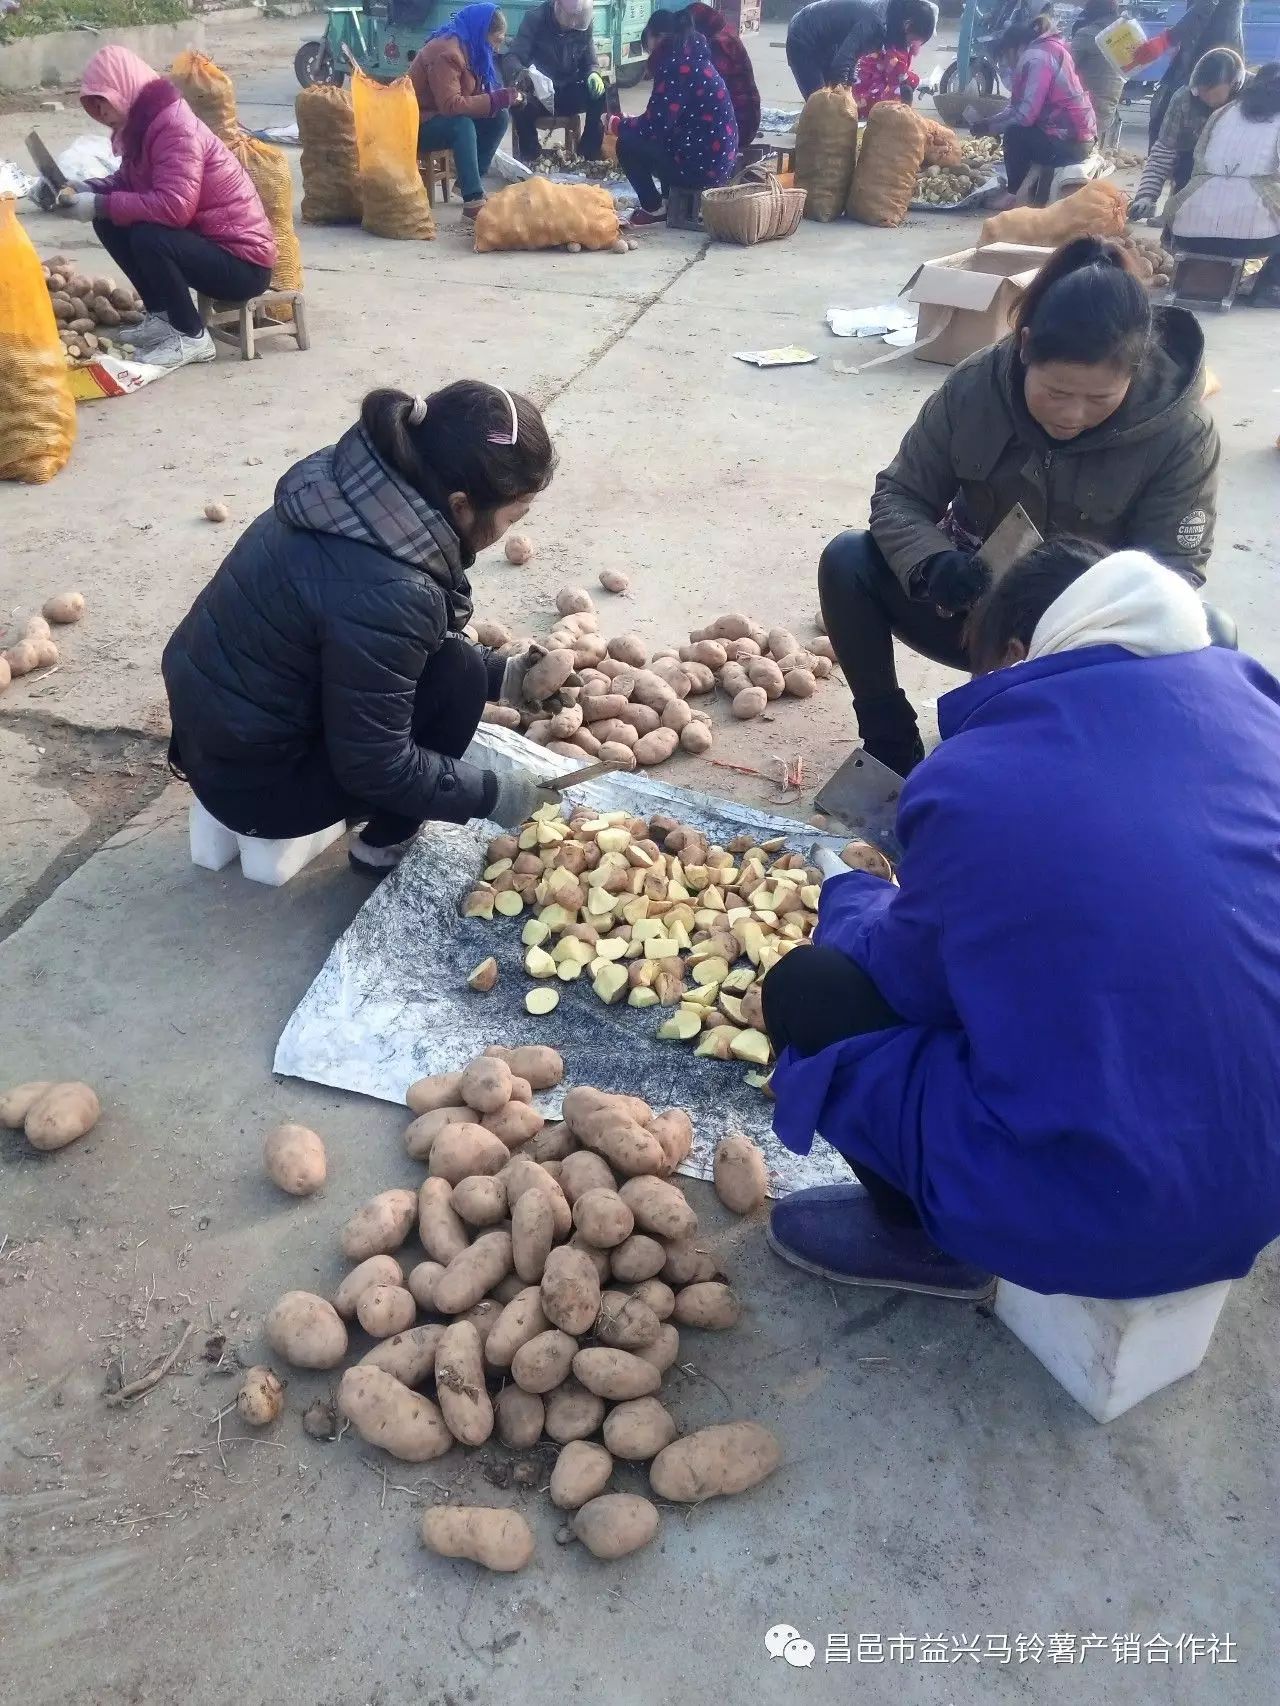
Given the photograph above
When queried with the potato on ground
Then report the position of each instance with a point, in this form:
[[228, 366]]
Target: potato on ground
[[295, 1160], [626, 1323], [715, 1461], [572, 1412], [380, 1225], [522, 1174], [637, 1258], [740, 1175], [15, 1104], [497, 1539], [664, 1350], [581, 1472], [674, 1131], [62, 1114], [409, 1356], [638, 1429], [515, 1124], [440, 1090], [543, 1362], [480, 1200], [687, 1264], [306, 1331], [615, 1375], [615, 1524], [261, 1396], [707, 1303], [570, 1289], [658, 1295], [518, 1418], [603, 1217], [473, 1273], [659, 1208], [486, 1084], [521, 1320], [386, 1309], [440, 1227], [584, 1171], [386, 1413], [375, 1270], [421, 1133], [542, 1066], [460, 1388], [421, 1282], [533, 1234], [462, 1151]]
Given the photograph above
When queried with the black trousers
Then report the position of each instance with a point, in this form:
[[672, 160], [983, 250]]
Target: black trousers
[[808, 69], [446, 713], [819, 997], [1026, 146], [865, 610], [649, 168], [164, 265], [570, 98]]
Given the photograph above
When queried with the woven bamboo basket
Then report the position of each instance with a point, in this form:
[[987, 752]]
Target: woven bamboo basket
[[754, 208]]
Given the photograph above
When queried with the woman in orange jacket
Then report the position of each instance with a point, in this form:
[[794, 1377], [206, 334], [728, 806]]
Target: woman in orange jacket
[[460, 95]]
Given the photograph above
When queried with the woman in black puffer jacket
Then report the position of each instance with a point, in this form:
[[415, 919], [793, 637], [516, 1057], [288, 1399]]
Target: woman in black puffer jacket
[[323, 672]]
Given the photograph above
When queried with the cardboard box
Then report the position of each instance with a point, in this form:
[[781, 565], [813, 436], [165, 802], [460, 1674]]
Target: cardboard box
[[966, 299]]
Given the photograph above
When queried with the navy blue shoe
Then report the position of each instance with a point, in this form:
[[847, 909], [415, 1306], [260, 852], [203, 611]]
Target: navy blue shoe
[[834, 1231]]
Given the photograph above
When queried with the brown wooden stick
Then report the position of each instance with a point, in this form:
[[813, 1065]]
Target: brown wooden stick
[[145, 1382]]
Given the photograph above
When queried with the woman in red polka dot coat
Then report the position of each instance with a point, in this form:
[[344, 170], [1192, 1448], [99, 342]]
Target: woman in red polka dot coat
[[687, 136]]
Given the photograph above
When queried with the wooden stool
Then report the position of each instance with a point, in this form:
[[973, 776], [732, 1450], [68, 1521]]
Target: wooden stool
[[572, 128], [437, 166], [1205, 280], [242, 324], [684, 209], [785, 149]]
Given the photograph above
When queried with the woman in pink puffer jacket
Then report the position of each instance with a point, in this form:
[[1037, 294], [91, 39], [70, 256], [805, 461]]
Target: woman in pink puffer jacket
[[180, 214]]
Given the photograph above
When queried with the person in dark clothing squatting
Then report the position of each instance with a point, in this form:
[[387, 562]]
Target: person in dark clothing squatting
[[687, 136], [826, 39], [1089, 415], [323, 672], [557, 39], [1048, 1052]]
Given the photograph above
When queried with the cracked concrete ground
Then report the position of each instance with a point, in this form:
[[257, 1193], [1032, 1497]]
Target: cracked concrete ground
[[936, 1478]]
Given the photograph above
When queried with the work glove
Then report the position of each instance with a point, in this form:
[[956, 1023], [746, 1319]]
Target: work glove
[[81, 205], [595, 85], [520, 793], [43, 194], [513, 675], [1140, 208], [979, 127], [954, 581], [501, 99]]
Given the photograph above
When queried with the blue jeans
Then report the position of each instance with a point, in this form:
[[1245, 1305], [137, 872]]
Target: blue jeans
[[474, 142]]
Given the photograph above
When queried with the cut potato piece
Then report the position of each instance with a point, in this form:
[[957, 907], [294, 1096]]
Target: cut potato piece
[[681, 1026], [509, 903], [610, 983], [541, 1001], [753, 1046]]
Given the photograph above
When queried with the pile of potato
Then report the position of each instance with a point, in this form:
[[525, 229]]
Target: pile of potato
[[559, 1264], [35, 647], [1154, 264], [90, 311], [634, 709], [654, 915], [943, 186]]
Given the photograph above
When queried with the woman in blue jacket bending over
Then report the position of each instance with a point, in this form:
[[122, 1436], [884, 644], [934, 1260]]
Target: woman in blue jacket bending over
[[1049, 1053]]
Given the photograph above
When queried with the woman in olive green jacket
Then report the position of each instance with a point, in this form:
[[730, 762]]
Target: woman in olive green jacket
[[1089, 416]]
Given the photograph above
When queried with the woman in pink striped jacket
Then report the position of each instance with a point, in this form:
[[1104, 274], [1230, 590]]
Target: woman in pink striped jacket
[[1049, 120], [180, 213]]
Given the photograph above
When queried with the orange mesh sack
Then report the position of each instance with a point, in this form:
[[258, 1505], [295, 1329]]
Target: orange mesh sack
[[330, 163], [1096, 210], [393, 196], [37, 411], [941, 146], [208, 91], [893, 147], [269, 169], [538, 214], [827, 151]]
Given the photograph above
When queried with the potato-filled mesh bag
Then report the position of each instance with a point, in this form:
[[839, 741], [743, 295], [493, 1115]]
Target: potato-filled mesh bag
[[268, 167], [330, 161], [827, 151], [393, 195], [37, 410], [1099, 209], [888, 162], [941, 146], [208, 91], [538, 214]]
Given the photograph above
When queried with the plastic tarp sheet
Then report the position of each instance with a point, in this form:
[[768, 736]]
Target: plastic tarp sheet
[[391, 1002]]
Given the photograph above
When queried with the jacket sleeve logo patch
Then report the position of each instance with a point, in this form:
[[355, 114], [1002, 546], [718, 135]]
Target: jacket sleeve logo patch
[[1191, 529]]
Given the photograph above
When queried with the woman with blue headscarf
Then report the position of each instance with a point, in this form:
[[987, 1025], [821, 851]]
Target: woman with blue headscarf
[[460, 95]]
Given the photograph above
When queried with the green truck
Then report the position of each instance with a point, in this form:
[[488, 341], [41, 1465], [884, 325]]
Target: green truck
[[382, 36]]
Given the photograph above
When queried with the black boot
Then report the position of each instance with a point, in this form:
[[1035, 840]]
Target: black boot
[[889, 730]]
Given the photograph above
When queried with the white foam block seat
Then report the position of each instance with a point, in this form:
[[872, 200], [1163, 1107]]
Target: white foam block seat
[[1110, 1355], [214, 846]]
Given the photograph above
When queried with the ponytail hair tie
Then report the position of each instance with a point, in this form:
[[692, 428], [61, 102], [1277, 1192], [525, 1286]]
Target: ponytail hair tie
[[417, 411]]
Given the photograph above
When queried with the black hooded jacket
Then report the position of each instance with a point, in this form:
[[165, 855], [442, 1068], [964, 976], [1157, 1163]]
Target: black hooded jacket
[[315, 631]]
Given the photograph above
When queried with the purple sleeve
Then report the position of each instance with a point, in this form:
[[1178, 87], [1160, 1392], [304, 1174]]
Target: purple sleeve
[[1032, 81]]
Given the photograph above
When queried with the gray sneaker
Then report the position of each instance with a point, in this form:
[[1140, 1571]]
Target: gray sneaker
[[151, 330], [181, 351]]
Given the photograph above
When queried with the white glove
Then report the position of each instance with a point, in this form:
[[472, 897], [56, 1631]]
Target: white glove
[[520, 793], [829, 863]]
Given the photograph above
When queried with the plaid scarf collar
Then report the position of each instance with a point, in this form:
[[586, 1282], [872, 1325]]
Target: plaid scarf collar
[[347, 489]]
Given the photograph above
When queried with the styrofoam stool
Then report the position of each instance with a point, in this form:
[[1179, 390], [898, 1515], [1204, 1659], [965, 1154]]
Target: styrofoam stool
[[214, 846], [1110, 1355]]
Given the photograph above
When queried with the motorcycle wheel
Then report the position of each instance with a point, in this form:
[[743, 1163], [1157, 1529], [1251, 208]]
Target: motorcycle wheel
[[313, 64], [981, 71]]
